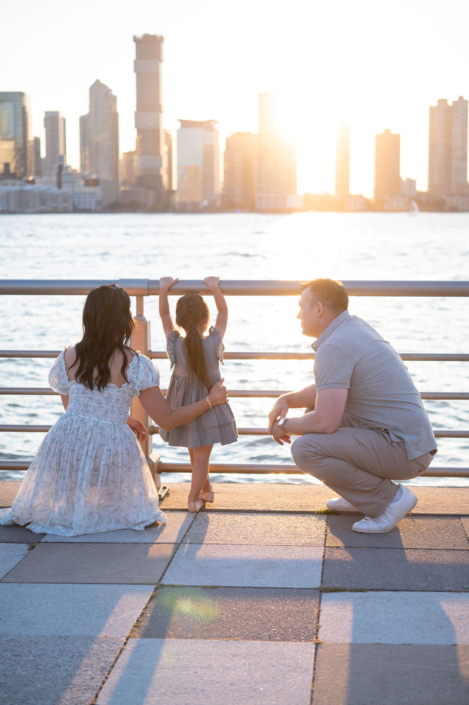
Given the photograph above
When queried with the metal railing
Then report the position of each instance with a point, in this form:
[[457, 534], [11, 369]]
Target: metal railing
[[141, 341]]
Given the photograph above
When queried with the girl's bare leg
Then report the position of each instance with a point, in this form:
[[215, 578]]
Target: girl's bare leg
[[200, 461]]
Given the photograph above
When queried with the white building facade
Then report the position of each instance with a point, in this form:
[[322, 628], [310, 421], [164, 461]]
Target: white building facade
[[198, 169]]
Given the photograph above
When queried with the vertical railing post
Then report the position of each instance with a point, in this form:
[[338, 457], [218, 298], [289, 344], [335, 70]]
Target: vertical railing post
[[141, 342]]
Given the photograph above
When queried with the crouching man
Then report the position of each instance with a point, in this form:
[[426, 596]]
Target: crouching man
[[365, 423]]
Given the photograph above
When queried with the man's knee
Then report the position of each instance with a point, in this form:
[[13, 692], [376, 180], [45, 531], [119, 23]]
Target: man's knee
[[304, 453]]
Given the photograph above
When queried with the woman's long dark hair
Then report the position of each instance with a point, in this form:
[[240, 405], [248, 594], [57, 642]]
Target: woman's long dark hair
[[107, 327], [190, 310]]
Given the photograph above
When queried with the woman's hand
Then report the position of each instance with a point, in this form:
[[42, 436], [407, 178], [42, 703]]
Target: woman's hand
[[212, 282], [138, 427], [218, 394], [167, 282]]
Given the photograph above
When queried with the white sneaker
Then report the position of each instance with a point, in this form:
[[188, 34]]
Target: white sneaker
[[340, 505], [391, 516]]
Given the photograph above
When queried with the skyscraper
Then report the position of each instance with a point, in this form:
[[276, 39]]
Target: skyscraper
[[168, 161], [127, 169], [54, 125], [387, 165], [38, 161], [239, 188], [276, 176], [149, 114], [85, 144], [447, 158], [197, 164], [16, 139], [99, 131], [342, 161]]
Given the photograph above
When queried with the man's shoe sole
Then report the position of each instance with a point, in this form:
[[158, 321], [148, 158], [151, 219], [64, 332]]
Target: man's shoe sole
[[343, 511]]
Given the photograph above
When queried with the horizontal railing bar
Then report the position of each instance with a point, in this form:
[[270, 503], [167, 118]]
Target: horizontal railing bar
[[233, 393], [24, 428], [251, 431], [150, 287], [243, 468], [161, 355], [68, 287], [264, 469]]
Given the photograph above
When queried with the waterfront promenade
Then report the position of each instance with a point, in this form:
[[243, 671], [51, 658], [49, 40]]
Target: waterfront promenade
[[261, 599]]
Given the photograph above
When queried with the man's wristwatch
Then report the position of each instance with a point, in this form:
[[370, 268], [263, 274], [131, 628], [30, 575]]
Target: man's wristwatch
[[281, 424]]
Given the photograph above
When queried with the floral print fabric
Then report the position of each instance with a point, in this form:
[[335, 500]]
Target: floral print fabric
[[89, 474]]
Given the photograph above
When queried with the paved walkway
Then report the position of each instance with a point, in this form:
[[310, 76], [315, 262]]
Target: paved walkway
[[260, 600]]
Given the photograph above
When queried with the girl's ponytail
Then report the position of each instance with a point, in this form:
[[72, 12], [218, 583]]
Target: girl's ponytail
[[190, 310]]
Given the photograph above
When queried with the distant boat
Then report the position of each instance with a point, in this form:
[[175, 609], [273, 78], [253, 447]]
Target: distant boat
[[414, 208]]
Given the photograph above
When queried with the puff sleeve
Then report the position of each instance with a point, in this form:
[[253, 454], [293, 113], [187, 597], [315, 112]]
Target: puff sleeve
[[215, 337], [58, 378], [171, 346], [142, 375]]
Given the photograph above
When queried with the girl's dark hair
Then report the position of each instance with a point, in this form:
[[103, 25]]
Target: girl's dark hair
[[107, 327], [190, 310]]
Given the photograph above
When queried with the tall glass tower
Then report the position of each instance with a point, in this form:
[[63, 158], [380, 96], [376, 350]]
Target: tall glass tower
[[16, 140]]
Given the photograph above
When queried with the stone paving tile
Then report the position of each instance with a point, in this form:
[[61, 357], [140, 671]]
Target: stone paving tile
[[71, 610], [432, 618], [246, 566], [372, 674], [172, 532], [191, 672], [251, 497], [411, 532], [58, 670], [250, 614], [93, 563], [394, 569], [18, 534], [257, 529], [10, 555]]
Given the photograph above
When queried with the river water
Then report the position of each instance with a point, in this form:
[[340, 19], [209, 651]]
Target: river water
[[240, 246]]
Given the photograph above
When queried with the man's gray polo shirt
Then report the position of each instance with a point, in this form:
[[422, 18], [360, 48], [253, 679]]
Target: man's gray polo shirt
[[351, 355]]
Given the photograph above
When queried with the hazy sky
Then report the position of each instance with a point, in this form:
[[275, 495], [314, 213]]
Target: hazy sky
[[379, 64]]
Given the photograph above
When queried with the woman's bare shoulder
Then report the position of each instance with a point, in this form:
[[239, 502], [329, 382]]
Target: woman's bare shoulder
[[70, 356]]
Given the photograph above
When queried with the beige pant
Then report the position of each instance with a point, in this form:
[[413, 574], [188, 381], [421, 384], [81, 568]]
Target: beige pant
[[358, 464]]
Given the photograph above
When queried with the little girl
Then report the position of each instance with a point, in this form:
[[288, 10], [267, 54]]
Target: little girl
[[196, 359]]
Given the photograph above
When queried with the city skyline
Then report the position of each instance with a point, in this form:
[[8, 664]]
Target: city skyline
[[304, 58]]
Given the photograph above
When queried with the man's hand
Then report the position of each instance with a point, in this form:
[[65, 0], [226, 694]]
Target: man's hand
[[279, 411], [167, 282], [279, 435], [138, 427]]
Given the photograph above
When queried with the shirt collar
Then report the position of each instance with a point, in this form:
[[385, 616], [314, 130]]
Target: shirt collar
[[333, 325]]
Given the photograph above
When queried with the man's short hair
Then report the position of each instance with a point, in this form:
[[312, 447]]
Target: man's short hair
[[332, 294]]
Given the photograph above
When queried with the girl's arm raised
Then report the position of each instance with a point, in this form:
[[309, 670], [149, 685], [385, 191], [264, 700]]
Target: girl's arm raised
[[222, 307], [165, 285], [157, 407]]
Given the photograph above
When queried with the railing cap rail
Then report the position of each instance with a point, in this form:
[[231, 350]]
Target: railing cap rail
[[150, 287]]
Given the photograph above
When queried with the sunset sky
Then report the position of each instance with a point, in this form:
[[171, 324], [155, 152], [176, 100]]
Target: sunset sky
[[378, 64]]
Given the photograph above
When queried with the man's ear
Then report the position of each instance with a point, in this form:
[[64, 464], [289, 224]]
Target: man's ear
[[320, 308]]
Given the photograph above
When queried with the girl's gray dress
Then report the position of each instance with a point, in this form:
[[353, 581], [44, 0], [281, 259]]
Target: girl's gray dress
[[216, 425]]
